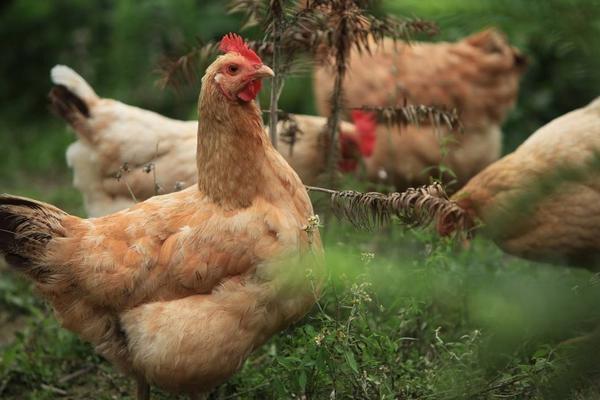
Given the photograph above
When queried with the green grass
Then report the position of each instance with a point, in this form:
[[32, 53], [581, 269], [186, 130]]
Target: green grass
[[404, 315]]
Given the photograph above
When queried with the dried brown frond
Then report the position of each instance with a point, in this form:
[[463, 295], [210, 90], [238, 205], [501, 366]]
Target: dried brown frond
[[254, 11], [319, 23], [305, 30], [345, 18], [416, 207], [263, 48], [416, 115], [275, 13], [321, 26], [186, 68], [273, 16], [397, 28], [279, 22]]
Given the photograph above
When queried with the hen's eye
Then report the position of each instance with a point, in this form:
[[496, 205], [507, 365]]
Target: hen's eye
[[232, 68]]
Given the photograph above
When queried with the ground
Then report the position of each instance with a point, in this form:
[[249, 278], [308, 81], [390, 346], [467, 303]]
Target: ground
[[405, 315]]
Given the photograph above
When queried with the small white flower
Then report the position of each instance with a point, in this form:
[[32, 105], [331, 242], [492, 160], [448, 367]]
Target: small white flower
[[314, 223], [367, 257]]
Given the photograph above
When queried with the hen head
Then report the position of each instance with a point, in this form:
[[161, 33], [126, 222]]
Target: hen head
[[238, 73]]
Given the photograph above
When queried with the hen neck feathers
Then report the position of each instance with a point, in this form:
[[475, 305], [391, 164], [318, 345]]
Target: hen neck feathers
[[231, 148]]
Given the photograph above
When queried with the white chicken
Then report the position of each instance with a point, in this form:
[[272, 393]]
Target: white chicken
[[112, 134]]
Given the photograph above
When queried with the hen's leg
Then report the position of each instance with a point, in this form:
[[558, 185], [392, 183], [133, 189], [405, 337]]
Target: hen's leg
[[143, 389]]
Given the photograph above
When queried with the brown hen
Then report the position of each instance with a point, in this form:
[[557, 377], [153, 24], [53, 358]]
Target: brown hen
[[542, 202], [178, 290], [479, 76]]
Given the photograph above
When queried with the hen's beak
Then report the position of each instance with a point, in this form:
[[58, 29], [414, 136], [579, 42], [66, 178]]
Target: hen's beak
[[263, 71]]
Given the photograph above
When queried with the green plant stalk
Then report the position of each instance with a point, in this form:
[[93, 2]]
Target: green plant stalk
[[274, 100], [334, 121], [275, 81]]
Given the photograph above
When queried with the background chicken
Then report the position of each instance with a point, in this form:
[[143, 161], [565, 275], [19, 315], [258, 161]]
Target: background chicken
[[111, 134], [305, 150], [479, 76], [411, 155], [542, 202], [156, 150], [178, 290]]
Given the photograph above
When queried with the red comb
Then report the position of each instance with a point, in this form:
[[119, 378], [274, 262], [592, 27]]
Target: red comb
[[232, 42], [366, 125]]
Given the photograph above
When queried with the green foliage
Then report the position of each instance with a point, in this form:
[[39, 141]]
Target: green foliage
[[404, 315]]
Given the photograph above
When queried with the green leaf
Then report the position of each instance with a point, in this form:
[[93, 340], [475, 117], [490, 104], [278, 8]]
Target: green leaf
[[351, 361], [302, 380]]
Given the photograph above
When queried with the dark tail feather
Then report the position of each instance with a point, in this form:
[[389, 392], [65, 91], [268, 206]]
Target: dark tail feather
[[71, 98], [69, 107], [66, 104], [26, 227]]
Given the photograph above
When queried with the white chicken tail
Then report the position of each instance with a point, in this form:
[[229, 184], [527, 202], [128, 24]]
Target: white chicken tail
[[72, 81], [72, 98]]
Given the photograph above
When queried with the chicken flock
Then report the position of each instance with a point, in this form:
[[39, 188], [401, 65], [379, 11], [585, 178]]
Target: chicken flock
[[154, 149], [112, 134], [202, 234]]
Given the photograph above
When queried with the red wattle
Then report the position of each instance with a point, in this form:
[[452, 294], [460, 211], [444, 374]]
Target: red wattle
[[250, 91], [366, 126]]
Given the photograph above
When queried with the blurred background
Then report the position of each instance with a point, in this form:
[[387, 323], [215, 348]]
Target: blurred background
[[118, 45], [453, 324]]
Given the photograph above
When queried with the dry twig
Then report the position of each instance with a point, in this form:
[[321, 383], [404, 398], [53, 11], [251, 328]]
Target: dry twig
[[416, 207], [410, 114]]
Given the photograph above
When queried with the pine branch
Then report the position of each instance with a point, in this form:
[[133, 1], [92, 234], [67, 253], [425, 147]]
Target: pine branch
[[397, 28], [345, 18], [416, 207], [333, 28], [185, 69], [311, 30], [318, 23], [415, 115], [254, 11]]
